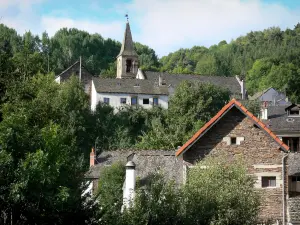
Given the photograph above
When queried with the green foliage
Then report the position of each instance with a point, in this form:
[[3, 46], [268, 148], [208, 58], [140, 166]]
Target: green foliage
[[192, 105], [156, 203], [266, 58], [253, 106], [110, 193], [216, 192], [219, 192], [44, 142]]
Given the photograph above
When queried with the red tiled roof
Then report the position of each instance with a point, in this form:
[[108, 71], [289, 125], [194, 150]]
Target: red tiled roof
[[223, 111]]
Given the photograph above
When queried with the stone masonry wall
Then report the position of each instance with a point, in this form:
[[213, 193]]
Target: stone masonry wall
[[259, 151]]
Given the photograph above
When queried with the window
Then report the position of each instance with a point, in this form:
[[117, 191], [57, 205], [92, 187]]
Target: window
[[128, 65], [295, 178], [134, 101], [155, 101], [268, 182], [123, 100], [146, 101], [233, 140], [294, 113], [106, 100], [292, 142]]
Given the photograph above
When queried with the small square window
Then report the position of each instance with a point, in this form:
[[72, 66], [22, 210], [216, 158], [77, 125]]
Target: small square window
[[233, 140], [123, 100], [146, 101], [134, 101], [155, 101], [268, 182], [295, 178], [106, 100]]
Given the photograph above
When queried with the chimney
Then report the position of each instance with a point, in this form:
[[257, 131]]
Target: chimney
[[92, 157], [242, 84], [159, 80], [264, 113], [243, 89], [128, 192]]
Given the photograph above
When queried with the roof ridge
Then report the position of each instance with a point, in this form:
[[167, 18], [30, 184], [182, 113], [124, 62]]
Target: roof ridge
[[68, 68], [224, 110], [189, 74]]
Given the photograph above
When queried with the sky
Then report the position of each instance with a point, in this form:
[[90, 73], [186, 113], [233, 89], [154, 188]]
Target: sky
[[164, 25]]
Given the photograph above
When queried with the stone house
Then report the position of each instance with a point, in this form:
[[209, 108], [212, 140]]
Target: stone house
[[235, 132], [284, 121]]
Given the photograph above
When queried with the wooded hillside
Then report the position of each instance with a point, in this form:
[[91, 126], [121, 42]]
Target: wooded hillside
[[265, 58]]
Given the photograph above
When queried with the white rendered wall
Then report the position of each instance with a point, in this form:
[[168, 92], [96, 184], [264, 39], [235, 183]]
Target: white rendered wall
[[57, 79], [128, 192], [94, 97], [115, 99]]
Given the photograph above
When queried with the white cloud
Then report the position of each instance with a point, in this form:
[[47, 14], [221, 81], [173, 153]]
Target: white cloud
[[112, 30], [21, 4], [170, 24], [19, 14], [164, 25]]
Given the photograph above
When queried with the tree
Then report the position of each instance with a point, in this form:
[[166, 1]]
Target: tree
[[216, 192], [44, 143], [192, 105], [159, 202], [220, 192], [110, 195]]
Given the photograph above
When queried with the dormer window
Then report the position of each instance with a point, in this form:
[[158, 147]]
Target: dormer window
[[293, 110], [128, 65]]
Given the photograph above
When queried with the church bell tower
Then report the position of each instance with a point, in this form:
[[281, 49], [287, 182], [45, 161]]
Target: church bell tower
[[127, 60]]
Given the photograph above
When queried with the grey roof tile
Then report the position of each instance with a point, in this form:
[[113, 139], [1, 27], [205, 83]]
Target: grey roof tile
[[131, 86], [147, 162], [294, 164], [278, 120], [150, 84], [175, 79]]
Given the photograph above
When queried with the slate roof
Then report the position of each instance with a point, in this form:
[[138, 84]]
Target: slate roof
[[174, 79], [147, 162], [294, 164], [259, 94], [127, 45], [278, 120], [131, 86], [171, 81], [224, 110], [70, 67]]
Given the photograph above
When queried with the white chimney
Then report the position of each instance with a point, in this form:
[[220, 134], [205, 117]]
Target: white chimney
[[128, 192], [243, 89], [264, 113], [159, 80]]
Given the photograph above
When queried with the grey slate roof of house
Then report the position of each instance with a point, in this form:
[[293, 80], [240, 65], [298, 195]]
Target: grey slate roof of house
[[279, 121], [294, 164], [131, 86], [259, 94], [174, 79], [70, 67], [150, 84], [147, 162]]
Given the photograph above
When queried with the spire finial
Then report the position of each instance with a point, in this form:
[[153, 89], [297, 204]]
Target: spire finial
[[127, 17]]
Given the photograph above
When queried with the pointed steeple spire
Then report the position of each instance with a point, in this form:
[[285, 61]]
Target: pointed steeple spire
[[127, 48]]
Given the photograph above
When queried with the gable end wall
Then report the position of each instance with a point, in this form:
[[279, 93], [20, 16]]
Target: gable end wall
[[260, 153]]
